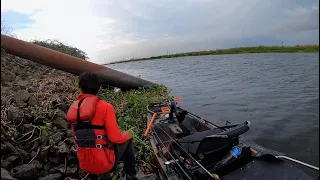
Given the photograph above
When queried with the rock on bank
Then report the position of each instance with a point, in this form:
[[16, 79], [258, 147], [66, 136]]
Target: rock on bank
[[35, 140]]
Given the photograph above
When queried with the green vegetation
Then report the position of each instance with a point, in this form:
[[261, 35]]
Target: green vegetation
[[131, 112], [239, 50], [58, 46], [51, 44]]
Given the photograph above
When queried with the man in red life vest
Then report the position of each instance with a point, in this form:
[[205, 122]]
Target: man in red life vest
[[99, 141]]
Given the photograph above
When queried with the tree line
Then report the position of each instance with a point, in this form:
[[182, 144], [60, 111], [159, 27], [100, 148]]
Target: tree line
[[50, 43]]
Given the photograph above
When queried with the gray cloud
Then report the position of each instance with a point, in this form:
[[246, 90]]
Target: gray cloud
[[146, 28]]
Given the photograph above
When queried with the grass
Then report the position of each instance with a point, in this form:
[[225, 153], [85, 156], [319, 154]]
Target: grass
[[131, 112], [238, 50]]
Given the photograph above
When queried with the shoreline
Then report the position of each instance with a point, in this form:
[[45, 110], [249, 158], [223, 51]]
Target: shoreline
[[35, 135], [239, 50]]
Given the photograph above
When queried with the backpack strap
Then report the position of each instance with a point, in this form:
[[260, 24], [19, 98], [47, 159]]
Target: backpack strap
[[78, 112], [87, 125], [81, 124]]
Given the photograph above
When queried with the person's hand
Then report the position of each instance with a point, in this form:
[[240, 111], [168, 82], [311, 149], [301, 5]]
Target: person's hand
[[128, 134]]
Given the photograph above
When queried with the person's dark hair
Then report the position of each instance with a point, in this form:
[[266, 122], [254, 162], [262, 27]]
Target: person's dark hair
[[89, 83]]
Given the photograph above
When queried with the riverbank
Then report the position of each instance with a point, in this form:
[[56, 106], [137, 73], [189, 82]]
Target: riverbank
[[36, 140], [239, 50]]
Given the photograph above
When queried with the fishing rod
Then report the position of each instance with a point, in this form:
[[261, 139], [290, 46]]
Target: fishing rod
[[164, 110], [298, 162], [278, 157], [223, 128], [173, 157], [173, 140]]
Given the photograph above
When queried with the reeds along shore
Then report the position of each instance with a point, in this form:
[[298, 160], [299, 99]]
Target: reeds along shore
[[239, 50]]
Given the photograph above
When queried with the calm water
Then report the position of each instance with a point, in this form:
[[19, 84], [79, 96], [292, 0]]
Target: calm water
[[278, 93]]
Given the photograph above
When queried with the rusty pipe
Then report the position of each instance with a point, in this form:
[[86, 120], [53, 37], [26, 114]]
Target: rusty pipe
[[70, 64]]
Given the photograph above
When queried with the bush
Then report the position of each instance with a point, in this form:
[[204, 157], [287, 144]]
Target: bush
[[58, 46], [51, 44], [6, 30]]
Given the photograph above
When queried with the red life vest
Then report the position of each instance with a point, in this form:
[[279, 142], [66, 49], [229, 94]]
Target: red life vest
[[95, 153]]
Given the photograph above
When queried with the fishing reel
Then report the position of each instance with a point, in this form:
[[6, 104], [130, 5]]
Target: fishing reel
[[173, 108]]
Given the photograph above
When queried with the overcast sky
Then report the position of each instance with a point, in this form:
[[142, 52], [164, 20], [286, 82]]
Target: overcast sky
[[111, 30]]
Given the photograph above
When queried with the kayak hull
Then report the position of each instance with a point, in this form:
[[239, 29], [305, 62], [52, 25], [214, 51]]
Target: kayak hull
[[188, 147]]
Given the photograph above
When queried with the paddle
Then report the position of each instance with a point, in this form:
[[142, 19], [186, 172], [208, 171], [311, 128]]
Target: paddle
[[164, 110]]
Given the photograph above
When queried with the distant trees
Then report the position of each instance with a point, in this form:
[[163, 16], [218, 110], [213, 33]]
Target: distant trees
[[51, 44], [6, 30], [58, 46]]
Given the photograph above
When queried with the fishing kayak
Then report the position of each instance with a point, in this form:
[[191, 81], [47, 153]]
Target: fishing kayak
[[189, 147]]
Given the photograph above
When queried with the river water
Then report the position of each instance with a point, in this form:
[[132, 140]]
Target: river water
[[277, 93]]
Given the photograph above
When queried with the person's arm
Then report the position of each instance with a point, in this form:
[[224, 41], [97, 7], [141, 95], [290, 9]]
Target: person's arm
[[112, 129]]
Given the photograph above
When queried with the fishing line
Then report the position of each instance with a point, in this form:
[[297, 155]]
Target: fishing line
[[154, 132], [181, 147], [187, 153], [172, 156]]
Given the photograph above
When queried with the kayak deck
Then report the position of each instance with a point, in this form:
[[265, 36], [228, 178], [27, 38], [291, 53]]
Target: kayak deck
[[187, 136]]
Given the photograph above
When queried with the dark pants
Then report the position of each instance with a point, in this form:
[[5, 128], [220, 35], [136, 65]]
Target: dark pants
[[123, 152]]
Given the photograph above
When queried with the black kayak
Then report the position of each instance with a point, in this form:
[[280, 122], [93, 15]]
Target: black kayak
[[188, 147]]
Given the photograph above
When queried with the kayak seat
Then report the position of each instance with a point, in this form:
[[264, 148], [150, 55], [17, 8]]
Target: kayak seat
[[208, 147], [181, 115]]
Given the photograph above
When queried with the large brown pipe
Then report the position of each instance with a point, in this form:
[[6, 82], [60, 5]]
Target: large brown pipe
[[70, 64]]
